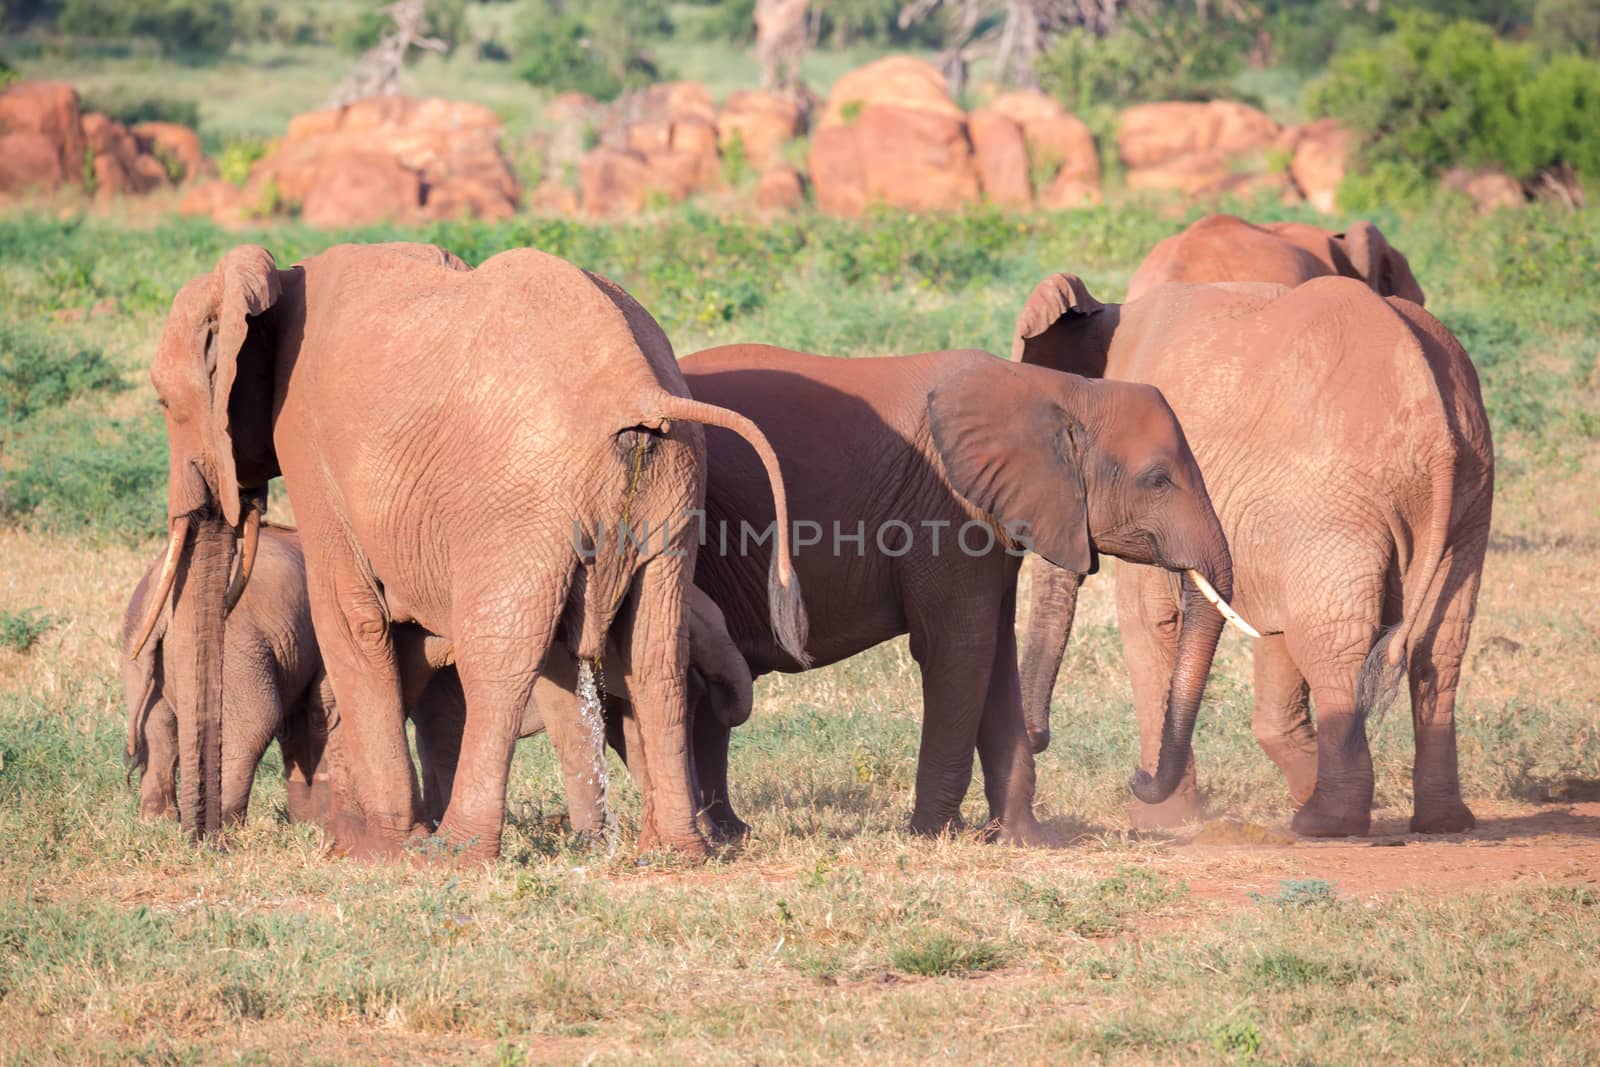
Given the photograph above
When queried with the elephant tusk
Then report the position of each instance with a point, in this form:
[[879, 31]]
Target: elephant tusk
[[1210, 593], [169, 572], [247, 558]]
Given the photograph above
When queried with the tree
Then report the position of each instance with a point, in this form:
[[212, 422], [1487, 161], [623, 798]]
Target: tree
[[378, 72]]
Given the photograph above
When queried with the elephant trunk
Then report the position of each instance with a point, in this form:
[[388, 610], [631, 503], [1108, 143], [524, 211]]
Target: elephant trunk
[[1197, 645], [1055, 603], [195, 638]]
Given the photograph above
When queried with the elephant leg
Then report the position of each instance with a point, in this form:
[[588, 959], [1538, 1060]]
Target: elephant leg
[[1281, 716], [956, 660], [383, 809], [577, 730], [1331, 655], [158, 784], [622, 734], [1150, 618], [304, 744], [659, 653], [711, 775], [1004, 746], [439, 717], [498, 671], [253, 716], [1435, 672]]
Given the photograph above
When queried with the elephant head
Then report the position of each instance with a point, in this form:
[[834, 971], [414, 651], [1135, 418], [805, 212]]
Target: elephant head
[[207, 373], [1071, 468], [1373, 259], [1148, 504]]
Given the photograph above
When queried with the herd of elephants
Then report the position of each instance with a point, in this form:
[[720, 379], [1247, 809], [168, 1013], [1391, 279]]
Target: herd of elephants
[[518, 511]]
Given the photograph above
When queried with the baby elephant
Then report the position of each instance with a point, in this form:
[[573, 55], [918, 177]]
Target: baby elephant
[[274, 687]]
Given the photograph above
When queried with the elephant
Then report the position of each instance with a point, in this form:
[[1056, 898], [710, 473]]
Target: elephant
[[1345, 442], [1225, 248], [457, 443], [920, 481], [274, 685]]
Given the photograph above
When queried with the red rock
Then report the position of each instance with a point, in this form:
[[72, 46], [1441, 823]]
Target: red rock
[[618, 181], [178, 143], [1191, 148], [553, 198], [1001, 153], [1489, 188], [780, 189], [891, 134], [763, 122], [359, 188], [41, 137], [219, 200], [1321, 156], [1058, 143]]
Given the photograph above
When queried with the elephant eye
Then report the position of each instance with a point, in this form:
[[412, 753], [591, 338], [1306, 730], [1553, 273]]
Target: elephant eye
[[1156, 478]]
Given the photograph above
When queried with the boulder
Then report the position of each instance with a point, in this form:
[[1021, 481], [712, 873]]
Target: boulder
[[677, 151], [42, 145], [1490, 188], [181, 145], [359, 187], [121, 166], [216, 199], [1001, 153], [895, 81], [891, 134], [389, 158], [1191, 148], [621, 181], [1059, 143], [763, 122], [1321, 153], [553, 198], [780, 189]]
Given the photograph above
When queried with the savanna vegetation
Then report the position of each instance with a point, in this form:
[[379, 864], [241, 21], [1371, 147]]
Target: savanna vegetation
[[832, 934]]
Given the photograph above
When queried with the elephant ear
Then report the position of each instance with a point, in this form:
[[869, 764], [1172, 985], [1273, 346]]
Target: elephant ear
[[1383, 267], [247, 283], [1046, 318], [1014, 453]]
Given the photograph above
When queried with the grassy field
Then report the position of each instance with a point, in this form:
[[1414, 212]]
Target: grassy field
[[832, 935]]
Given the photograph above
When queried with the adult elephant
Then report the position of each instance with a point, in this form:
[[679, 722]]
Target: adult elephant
[[1345, 442], [457, 444], [916, 483], [1226, 248]]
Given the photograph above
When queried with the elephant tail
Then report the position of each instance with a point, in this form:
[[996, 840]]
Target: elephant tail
[[1385, 665], [784, 601]]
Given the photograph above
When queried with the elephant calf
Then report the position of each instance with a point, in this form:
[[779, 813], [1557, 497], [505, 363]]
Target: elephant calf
[[275, 688]]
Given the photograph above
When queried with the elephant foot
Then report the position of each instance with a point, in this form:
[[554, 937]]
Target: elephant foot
[[1442, 817], [1321, 817], [1021, 832], [722, 825], [692, 847], [309, 801], [1181, 807], [937, 825], [352, 838]]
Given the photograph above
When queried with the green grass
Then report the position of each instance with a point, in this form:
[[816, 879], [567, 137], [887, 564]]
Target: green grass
[[832, 935]]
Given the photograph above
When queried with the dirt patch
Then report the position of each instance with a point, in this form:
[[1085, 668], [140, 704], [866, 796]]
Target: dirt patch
[[1512, 844]]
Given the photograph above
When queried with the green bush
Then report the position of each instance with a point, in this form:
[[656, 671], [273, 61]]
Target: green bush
[[1148, 58], [38, 371], [89, 475], [447, 20], [178, 26], [1435, 94], [237, 157], [128, 108], [597, 48]]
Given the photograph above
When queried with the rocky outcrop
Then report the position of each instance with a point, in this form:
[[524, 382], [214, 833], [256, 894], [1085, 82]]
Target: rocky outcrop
[[388, 158], [781, 188], [659, 145], [1196, 149], [1060, 153], [1489, 187], [761, 123], [1321, 155], [890, 134], [42, 144]]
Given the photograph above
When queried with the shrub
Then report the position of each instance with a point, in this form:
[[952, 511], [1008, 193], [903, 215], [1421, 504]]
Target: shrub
[[447, 20], [39, 372], [942, 955], [1148, 58], [90, 475], [237, 157], [20, 630], [198, 26], [596, 48], [130, 109], [1435, 94]]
